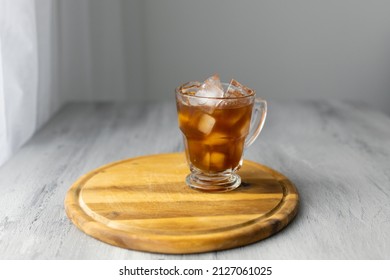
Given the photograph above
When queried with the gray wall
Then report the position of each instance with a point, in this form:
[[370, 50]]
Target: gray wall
[[284, 49]]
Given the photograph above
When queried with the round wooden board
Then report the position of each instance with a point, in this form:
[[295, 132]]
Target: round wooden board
[[143, 204]]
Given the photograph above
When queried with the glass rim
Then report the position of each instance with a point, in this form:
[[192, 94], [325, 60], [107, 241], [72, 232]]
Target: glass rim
[[179, 88]]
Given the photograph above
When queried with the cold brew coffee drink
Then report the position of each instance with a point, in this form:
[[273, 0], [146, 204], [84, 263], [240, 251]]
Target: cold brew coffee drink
[[218, 121]]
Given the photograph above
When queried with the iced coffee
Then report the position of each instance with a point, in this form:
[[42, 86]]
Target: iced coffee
[[215, 121]]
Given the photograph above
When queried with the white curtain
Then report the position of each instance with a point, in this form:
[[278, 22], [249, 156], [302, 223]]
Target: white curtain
[[56, 51], [28, 70]]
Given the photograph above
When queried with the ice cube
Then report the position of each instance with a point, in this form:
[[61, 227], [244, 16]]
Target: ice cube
[[218, 160], [206, 124], [190, 88], [236, 89], [211, 87], [214, 161], [210, 92], [206, 160], [184, 119]]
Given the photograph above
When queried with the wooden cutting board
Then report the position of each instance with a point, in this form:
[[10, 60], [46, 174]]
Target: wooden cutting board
[[143, 204]]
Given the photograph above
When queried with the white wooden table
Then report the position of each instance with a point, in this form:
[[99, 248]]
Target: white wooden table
[[337, 154]]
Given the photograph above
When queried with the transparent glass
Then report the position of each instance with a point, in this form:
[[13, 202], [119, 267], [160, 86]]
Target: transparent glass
[[215, 133]]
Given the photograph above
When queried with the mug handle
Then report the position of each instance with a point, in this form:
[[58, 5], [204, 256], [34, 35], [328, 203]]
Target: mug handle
[[259, 114]]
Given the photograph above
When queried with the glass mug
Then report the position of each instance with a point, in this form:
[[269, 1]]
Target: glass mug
[[215, 132]]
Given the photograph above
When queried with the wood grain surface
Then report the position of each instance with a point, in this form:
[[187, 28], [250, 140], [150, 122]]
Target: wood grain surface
[[336, 153], [144, 204]]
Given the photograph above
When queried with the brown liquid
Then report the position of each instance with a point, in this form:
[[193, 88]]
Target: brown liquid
[[214, 140]]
